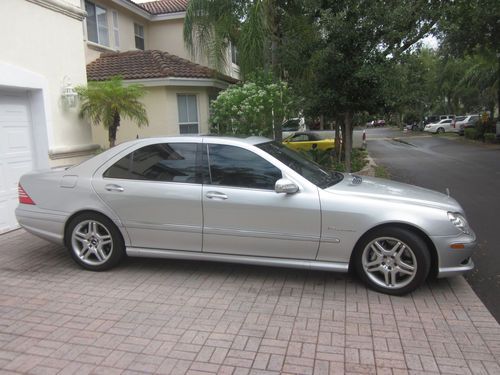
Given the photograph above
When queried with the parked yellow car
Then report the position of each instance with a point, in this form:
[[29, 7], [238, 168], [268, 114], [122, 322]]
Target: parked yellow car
[[305, 141]]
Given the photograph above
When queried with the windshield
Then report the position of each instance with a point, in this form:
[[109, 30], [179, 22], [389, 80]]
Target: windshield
[[306, 168]]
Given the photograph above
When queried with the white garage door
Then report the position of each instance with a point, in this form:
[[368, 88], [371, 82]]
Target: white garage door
[[16, 152]]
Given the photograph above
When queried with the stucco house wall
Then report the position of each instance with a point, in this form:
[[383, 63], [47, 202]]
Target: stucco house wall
[[44, 41], [162, 111]]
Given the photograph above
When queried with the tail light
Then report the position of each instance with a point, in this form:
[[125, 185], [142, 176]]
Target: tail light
[[24, 198]]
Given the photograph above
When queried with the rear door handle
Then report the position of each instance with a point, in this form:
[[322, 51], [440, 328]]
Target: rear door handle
[[114, 187], [216, 195]]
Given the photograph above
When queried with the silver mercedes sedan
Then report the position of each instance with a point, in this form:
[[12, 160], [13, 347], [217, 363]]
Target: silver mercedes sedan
[[249, 201]]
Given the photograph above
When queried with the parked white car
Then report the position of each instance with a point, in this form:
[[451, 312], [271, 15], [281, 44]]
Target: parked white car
[[440, 127], [465, 122]]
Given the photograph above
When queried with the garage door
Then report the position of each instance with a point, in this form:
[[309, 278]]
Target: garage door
[[16, 152]]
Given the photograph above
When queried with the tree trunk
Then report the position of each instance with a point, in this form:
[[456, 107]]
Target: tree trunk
[[274, 28], [277, 129], [338, 121], [498, 87], [322, 122], [113, 128], [348, 140]]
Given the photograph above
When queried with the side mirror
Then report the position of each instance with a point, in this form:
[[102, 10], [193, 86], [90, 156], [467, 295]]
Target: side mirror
[[284, 185]]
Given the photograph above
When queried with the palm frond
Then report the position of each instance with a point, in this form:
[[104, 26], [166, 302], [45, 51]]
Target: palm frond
[[100, 102]]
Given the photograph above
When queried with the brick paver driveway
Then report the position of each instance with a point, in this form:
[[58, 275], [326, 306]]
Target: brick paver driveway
[[155, 316]]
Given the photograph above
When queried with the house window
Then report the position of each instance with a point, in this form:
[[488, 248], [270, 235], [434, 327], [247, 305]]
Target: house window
[[97, 24], [115, 30], [139, 36], [188, 114], [234, 55]]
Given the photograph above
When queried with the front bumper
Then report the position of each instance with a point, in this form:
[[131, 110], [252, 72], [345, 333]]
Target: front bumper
[[454, 261]]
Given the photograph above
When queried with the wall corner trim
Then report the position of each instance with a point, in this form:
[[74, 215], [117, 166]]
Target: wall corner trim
[[62, 7]]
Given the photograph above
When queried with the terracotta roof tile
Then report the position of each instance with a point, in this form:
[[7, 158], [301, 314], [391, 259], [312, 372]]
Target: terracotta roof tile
[[165, 6], [148, 64]]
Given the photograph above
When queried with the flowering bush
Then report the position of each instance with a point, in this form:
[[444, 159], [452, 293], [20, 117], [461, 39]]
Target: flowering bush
[[249, 108]]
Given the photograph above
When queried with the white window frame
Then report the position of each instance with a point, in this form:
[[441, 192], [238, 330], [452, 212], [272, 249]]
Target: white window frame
[[106, 26], [197, 113], [141, 28], [116, 31]]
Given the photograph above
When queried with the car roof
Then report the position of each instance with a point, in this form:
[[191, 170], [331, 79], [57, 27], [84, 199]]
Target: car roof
[[252, 140]]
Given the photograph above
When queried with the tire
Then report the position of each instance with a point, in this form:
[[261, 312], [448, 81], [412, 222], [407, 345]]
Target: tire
[[440, 131], [94, 242], [390, 269]]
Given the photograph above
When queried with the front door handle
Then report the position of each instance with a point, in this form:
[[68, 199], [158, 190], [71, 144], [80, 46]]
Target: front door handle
[[114, 187], [216, 195]]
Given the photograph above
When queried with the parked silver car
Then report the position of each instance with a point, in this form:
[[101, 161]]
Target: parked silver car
[[249, 201]]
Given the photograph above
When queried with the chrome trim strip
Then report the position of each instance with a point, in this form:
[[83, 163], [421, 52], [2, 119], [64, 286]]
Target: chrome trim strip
[[167, 227], [244, 259], [451, 271], [255, 234], [330, 240]]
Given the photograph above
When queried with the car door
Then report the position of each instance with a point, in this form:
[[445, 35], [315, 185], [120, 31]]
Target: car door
[[244, 215], [155, 190], [446, 124]]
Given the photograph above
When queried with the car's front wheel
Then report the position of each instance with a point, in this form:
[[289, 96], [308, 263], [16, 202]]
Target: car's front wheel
[[94, 242], [392, 260]]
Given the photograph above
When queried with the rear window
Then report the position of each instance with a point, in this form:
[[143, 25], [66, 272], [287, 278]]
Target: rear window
[[165, 162]]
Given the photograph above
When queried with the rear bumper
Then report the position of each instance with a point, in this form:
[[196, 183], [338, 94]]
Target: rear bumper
[[42, 223]]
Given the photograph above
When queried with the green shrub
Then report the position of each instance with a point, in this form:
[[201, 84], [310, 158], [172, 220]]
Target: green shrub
[[490, 137], [471, 133], [327, 160]]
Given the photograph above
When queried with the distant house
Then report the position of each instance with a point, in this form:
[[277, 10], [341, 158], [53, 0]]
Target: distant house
[[143, 43]]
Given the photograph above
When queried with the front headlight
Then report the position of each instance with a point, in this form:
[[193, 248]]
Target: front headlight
[[460, 222]]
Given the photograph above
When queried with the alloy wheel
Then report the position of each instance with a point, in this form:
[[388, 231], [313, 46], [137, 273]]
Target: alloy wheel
[[389, 262], [92, 242]]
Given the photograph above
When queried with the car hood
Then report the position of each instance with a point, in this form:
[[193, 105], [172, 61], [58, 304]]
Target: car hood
[[381, 189]]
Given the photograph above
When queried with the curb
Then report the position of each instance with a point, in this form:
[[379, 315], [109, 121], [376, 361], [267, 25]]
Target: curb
[[369, 169]]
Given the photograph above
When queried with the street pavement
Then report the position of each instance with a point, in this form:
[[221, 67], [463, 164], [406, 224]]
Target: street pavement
[[176, 317], [471, 171]]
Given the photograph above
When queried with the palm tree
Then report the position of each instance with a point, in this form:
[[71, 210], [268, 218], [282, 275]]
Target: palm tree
[[210, 26], [107, 102]]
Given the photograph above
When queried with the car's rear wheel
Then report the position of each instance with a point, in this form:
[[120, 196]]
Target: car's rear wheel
[[392, 260], [94, 242], [440, 130]]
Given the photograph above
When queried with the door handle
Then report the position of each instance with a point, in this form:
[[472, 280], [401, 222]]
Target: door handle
[[113, 187], [216, 195]]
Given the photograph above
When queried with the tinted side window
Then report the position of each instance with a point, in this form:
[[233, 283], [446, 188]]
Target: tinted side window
[[173, 162], [120, 169], [300, 138], [235, 166]]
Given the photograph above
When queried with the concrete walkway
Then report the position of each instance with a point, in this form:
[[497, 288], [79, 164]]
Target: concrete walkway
[[174, 317]]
